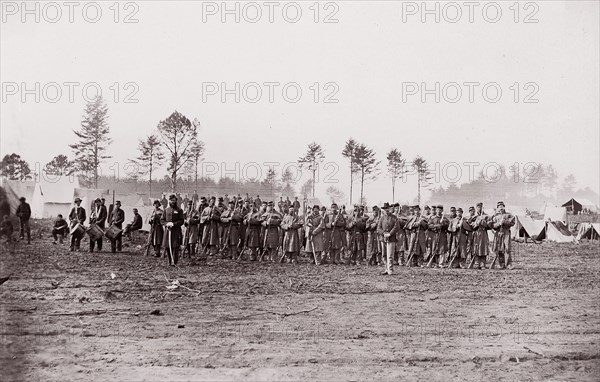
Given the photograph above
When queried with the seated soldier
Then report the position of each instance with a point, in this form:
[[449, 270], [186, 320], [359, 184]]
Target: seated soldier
[[135, 225], [60, 229], [6, 228]]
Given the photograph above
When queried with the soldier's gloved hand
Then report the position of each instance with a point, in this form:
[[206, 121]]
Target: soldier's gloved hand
[[170, 225]]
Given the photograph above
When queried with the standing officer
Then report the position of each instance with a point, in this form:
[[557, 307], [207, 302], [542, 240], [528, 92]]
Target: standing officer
[[172, 219], [387, 229]]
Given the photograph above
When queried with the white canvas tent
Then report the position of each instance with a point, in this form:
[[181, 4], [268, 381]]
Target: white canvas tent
[[558, 232], [15, 189], [525, 226], [53, 197], [589, 231]]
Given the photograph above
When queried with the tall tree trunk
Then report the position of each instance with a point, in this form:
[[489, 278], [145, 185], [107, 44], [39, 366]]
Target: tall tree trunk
[[351, 183], [419, 190], [313, 185], [150, 183], [362, 182], [96, 164], [393, 190], [196, 176], [174, 181]]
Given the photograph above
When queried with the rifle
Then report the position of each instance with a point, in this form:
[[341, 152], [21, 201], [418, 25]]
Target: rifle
[[262, 254], [332, 234], [312, 246], [471, 262], [149, 240], [411, 252], [228, 231], [452, 260]]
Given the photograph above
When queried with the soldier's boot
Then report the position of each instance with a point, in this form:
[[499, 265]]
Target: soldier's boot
[[337, 257], [500, 260], [318, 258], [401, 258], [481, 262]]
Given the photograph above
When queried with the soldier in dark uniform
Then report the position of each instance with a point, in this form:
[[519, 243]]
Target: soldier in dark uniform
[[135, 225], [246, 209], [156, 230], [501, 223], [98, 217], [257, 201], [387, 229], [417, 225], [77, 215], [291, 240], [356, 225], [271, 221], [201, 206], [60, 229], [231, 219], [373, 248], [172, 219], [438, 227], [24, 213], [117, 218], [315, 228], [470, 220], [192, 224], [252, 221], [480, 227], [211, 218], [459, 230], [335, 222]]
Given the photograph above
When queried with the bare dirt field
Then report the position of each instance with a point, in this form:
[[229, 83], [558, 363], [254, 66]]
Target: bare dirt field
[[65, 317]]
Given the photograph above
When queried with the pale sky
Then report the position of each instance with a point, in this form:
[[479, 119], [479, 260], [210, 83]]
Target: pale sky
[[369, 53]]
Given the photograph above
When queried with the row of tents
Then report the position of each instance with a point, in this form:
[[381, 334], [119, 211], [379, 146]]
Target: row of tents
[[48, 198]]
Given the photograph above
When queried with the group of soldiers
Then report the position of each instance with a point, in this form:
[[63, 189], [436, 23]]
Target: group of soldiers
[[244, 229], [99, 217], [255, 230]]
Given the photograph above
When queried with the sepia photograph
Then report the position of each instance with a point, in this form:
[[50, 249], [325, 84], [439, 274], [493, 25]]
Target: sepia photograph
[[304, 190]]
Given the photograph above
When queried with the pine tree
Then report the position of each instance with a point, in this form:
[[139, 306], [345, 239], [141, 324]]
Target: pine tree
[[367, 166], [93, 140], [151, 157], [423, 175], [314, 155], [396, 169], [349, 153]]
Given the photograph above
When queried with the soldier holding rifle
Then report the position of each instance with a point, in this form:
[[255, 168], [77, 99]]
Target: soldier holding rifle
[[211, 218], [335, 223], [501, 223], [387, 229], [481, 248], [290, 225], [271, 220], [172, 219], [315, 234]]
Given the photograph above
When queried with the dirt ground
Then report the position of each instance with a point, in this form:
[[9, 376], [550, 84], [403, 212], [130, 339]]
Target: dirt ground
[[102, 316]]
